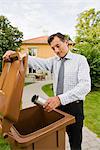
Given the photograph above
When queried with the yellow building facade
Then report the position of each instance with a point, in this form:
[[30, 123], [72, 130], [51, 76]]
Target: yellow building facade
[[38, 47]]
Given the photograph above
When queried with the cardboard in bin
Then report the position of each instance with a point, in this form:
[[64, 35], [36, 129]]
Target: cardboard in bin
[[31, 128]]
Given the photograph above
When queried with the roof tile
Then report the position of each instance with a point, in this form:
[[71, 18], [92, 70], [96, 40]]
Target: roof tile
[[38, 40]]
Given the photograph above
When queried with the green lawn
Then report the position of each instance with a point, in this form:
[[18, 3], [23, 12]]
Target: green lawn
[[48, 89], [92, 111], [91, 108], [4, 145], [27, 83]]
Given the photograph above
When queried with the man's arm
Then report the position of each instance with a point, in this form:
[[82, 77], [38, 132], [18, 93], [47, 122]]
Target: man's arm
[[35, 63], [40, 63]]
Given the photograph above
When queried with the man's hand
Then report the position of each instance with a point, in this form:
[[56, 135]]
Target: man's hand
[[8, 53], [6, 56], [52, 103]]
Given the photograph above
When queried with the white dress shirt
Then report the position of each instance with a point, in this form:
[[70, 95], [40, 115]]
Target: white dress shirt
[[77, 82]]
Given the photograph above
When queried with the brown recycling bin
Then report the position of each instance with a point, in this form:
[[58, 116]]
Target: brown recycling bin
[[31, 128]]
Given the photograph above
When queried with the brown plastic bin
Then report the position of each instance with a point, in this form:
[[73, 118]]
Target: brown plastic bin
[[11, 89], [31, 128], [37, 129]]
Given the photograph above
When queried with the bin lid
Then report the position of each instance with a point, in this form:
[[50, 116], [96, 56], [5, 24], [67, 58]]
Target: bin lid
[[11, 88]]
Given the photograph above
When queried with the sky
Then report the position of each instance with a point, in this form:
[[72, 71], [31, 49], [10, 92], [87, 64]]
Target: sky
[[44, 17]]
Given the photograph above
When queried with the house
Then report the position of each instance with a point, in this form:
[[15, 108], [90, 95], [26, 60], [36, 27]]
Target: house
[[38, 47]]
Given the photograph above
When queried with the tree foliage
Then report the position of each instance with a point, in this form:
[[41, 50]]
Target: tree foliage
[[88, 27], [88, 41], [10, 37]]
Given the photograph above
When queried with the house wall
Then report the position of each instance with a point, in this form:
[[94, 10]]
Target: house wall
[[43, 50]]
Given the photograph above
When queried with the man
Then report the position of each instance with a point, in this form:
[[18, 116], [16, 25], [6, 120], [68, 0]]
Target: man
[[71, 83]]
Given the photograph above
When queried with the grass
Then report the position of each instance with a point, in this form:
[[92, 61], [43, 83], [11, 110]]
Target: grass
[[4, 145], [91, 108], [92, 111], [48, 89], [27, 83]]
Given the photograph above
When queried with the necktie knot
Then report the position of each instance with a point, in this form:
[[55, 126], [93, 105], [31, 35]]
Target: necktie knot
[[63, 59]]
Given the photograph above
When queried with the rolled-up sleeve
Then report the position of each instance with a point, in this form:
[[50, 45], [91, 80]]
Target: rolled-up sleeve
[[40, 63]]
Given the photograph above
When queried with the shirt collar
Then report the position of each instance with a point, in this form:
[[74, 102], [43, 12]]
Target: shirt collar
[[68, 56]]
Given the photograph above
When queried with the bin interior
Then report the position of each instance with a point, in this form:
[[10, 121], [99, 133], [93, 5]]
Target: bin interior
[[35, 118]]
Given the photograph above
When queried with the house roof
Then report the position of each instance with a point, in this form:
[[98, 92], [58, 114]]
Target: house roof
[[37, 40], [41, 40]]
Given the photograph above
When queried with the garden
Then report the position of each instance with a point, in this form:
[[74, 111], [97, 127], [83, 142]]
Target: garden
[[87, 41]]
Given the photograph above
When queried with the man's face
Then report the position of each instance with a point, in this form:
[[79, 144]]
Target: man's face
[[60, 48]]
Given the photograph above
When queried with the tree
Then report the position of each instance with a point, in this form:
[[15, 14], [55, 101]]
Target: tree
[[88, 27], [10, 37], [88, 41]]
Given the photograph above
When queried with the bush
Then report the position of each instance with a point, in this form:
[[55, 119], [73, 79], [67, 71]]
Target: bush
[[92, 53]]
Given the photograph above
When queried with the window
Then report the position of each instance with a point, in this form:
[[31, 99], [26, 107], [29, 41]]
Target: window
[[33, 51]]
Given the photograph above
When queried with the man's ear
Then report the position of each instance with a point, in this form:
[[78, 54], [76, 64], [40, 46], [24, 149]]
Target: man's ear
[[66, 42]]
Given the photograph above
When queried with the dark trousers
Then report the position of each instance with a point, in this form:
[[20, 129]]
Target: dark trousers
[[74, 131]]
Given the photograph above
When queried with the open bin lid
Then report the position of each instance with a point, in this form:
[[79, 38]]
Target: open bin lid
[[11, 88]]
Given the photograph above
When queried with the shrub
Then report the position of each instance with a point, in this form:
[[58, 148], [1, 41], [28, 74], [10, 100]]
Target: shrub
[[92, 53]]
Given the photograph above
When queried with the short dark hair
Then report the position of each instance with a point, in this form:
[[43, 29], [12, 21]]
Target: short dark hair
[[62, 37]]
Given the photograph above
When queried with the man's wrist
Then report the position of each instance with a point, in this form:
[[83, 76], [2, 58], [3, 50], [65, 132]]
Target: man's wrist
[[59, 100]]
